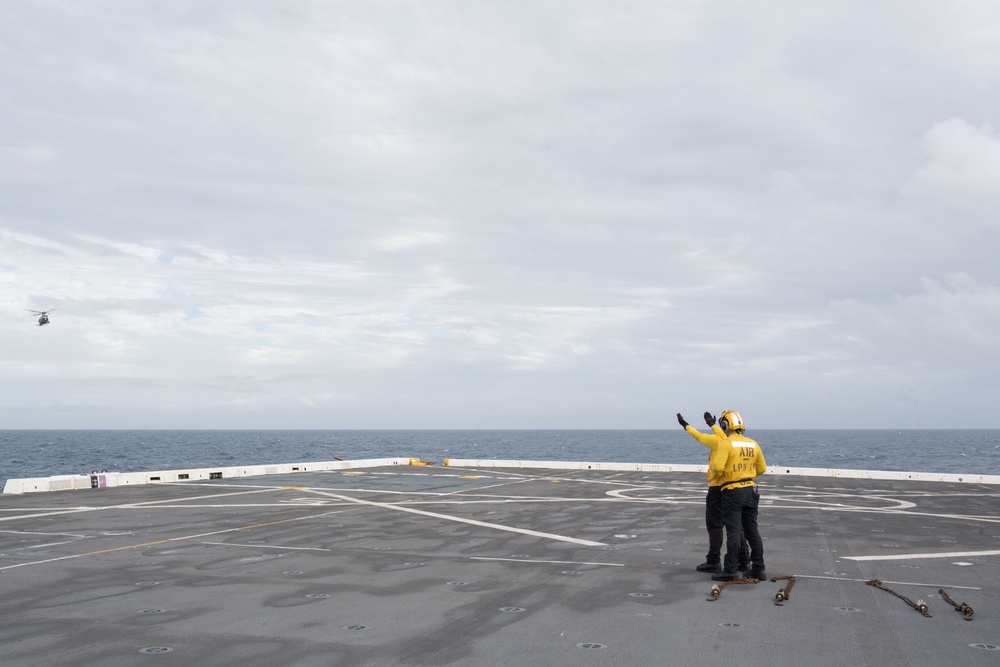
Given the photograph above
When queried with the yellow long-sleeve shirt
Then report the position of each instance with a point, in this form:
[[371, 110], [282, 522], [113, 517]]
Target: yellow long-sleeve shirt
[[736, 461], [712, 441]]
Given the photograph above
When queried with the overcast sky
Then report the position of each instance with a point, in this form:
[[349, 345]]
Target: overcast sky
[[499, 214]]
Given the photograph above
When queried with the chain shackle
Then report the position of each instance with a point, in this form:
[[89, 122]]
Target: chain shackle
[[717, 588], [783, 593], [919, 605], [963, 608]]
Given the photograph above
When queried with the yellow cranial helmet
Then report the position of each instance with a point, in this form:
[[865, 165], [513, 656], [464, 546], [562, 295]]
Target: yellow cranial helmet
[[730, 420]]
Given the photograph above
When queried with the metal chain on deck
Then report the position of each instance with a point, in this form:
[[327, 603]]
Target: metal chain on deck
[[783, 593], [919, 605], [717, 588], [964, 608]]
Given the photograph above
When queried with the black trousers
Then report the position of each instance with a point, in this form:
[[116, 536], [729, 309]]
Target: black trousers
[[715, 524], [739, 511]]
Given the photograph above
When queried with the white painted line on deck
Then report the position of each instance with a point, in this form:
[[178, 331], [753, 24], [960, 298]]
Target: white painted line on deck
[[264, 546], [551, 562], [895, 583], [949, 554], [35, 532], [447, 517], [35, 515], [100, 508], [185, 538], [45, 546], [279, 504]]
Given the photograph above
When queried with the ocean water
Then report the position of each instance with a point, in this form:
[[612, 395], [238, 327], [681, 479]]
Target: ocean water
[[38, 453]]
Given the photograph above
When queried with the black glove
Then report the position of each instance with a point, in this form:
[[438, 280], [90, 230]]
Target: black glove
[[680, 420], [710, 419]]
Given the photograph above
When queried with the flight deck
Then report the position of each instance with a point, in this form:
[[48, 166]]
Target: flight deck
[[482, 565]]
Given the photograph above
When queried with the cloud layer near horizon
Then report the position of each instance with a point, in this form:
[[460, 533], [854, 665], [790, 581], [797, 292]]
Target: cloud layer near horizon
[[505, 215]]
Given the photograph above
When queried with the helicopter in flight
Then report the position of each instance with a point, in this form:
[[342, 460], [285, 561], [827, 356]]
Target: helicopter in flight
[[43, 315]]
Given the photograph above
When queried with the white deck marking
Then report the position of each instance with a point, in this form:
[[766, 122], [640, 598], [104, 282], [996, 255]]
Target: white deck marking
[[548, 562], [897, 583], [102, 508], [473, 522], [949, 554], [961, 517], [35, 532], [35, 515], [184, 538], [264, 546], [45, 546]]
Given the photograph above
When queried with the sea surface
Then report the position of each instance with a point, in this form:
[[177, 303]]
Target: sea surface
[[39, 453]]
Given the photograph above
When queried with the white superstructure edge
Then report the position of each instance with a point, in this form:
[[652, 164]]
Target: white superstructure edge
[[101, 480], [771, 470]]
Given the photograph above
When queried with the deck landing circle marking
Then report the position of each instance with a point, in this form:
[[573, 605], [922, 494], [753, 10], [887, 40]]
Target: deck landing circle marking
[[822, 501]]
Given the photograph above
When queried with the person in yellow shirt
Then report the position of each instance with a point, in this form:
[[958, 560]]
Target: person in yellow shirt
[[713, 501], [737, 461]]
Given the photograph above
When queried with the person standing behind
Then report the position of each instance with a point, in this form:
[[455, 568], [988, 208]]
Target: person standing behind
[[713, 501], [737, 461]]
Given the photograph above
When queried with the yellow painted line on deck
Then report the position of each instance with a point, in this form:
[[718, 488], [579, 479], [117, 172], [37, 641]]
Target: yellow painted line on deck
[[185, 538], [89, 553]]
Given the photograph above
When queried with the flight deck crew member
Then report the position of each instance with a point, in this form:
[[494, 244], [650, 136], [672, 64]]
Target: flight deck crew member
[[713, 501], [737, 461]]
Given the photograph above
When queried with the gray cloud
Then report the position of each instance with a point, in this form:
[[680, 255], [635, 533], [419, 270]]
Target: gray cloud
[[545, 214]]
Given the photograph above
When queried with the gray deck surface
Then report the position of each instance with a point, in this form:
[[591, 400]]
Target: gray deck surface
[[446, 566]]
